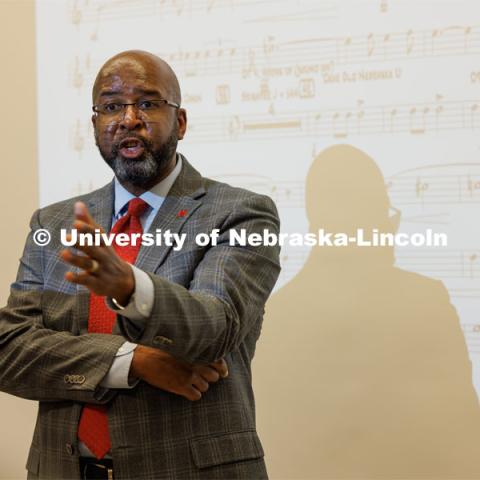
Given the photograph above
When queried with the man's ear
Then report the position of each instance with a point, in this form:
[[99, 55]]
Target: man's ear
[[181, 122], [94, 120]]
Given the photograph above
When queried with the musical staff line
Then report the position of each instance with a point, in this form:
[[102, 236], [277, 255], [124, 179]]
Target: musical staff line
[[278, 58], [87, 12], [339, 123], [420, 118], [295, 57], [445, 264]]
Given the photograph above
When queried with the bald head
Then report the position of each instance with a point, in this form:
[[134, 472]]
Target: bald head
[[135, 132], [144, 66]]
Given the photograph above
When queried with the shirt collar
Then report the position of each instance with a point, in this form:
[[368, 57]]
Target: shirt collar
[[154, 197]]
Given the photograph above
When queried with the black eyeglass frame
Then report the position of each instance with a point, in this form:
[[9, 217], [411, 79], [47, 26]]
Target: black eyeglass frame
[[97, 108]]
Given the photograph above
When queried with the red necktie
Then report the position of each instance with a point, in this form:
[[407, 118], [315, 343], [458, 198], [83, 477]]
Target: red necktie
[[93, 426]]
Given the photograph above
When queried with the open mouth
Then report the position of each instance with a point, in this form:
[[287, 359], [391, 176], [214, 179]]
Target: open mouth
[[131, 148]]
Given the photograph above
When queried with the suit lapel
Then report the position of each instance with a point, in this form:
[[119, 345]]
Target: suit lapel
[[180, 203], [100, 205]]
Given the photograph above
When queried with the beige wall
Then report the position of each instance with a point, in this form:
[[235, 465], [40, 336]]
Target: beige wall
[[18, 197]]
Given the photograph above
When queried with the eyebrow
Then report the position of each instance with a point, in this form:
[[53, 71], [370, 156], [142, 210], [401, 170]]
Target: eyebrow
[[112, 93]]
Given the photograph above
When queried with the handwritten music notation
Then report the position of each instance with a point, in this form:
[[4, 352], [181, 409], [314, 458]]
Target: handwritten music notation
[[319, 11], [426, 187], [87, 11], [444, 264], [277, 58], [419, 118], [430, 185], [77, 139], [285, 193], [464, 293], [471, 331], [274, 58], [458, 184], [81, 136], [421, 189]]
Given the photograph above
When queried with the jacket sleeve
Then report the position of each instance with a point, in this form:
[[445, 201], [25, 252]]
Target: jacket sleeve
[[226, 297], [42, 364]]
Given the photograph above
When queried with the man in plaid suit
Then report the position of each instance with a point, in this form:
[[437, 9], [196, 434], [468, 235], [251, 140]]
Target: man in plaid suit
[[157, 375]]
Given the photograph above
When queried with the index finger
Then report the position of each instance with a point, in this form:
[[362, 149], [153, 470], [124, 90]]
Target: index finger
[[81, 213]]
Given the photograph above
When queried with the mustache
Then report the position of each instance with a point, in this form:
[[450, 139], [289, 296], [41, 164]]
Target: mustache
[[147, 144]]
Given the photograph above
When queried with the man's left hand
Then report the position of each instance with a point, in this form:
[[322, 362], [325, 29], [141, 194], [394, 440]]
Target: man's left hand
[[103, 271]]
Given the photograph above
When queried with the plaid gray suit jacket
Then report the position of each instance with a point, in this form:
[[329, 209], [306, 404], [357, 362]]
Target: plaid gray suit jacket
[[209, 304]]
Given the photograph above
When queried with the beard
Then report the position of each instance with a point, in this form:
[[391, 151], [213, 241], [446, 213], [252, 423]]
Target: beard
[[143, 171]]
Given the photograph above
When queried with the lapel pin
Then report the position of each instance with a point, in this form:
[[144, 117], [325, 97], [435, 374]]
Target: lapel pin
[[182, 213]]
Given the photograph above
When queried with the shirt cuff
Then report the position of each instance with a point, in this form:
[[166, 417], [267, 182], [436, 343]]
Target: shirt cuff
[[140, 305], [117, 376]]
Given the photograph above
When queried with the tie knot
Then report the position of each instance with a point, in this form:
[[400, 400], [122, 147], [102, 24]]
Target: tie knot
[[137, 207]]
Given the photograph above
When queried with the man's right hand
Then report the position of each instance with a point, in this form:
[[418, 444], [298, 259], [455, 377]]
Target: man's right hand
[[164, 371]]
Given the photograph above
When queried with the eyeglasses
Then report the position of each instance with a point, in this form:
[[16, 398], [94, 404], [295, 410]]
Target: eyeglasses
[[148, 108]]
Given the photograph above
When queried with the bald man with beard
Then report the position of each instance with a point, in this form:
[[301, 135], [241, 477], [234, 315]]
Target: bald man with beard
[[140, 357]]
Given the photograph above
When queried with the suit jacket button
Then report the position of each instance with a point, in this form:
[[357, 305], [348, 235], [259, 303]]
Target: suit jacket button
[[69, 448], [67, 379], [162, 340], [81, 379]]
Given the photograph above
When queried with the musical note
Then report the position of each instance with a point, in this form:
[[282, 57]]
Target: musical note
[[446, 264], [234, 127], [420, 188], [474, 112], [473, 186], [77, 80], [391, 119], [341, 132], [418, 118], [418, 126], [210, 4], [467, 35], [385, 45], [472, 260], [437, 185], [76, 15], [438, 110], [222, 94], [360, 115], [277, 56], [307, 88], [370, 44], [269, 46], [344, 50], [251, 68], [78, 138], [178, 6], [410, 42], [435, 35]]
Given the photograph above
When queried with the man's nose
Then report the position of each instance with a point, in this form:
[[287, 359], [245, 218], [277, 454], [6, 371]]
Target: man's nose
[[130, 120]]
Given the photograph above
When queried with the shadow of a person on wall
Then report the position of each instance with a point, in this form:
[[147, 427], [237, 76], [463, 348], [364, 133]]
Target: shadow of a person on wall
[[364, 369]]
